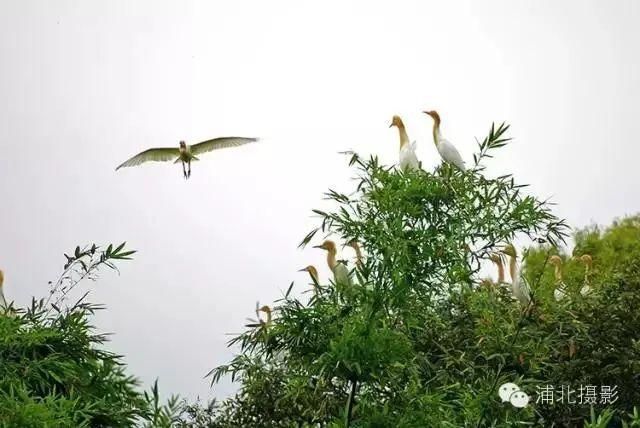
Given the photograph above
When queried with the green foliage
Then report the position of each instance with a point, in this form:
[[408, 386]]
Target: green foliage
[[603, 326], [416, 341], [53, 370]]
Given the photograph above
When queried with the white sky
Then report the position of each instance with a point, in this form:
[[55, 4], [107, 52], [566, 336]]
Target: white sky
[[85, 84]]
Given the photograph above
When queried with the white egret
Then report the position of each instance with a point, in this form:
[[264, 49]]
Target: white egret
[[408, 158], [519, 288], [588, 264], [267, 310], [313, 273], [356, 247], [560, 291], [340, 271], [447, 150], [185, 153]]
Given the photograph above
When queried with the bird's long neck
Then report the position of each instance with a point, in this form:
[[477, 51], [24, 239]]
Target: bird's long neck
[[314, 277], [331, 259], [436, 131], [558, 272], [268, 317], [358, 254], [500, 271], [404, 138], [587, 270]]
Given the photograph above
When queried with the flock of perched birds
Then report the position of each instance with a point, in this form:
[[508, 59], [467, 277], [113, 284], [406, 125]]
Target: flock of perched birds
[[520, 290], [408, 160]]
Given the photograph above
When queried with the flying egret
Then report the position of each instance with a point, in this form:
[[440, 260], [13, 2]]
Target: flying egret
[[356, 247], [561, 289], [519, 288], [339, 269], [447, 150], [408, 158], [185, 153], [313, 273], [588, 264]]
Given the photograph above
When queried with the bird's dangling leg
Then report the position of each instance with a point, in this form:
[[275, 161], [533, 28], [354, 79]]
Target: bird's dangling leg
[[189, 171], [184, 171]]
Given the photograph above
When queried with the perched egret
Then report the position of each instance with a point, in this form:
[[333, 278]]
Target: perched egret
[[356, 247], [267, 310], [561, 290], [340, 271], [588, 264], [447, 150], [313, 273], [519, 288], [408, 158], [185, 153], [3, 301]]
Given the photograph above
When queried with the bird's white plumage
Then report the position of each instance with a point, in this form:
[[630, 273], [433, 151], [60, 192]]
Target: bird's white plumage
[[450, 154], [408, 158], [341, 274], [559, 293], [519, 288]]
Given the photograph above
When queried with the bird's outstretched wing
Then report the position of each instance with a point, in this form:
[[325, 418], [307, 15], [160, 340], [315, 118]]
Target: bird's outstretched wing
[[163, 154], [220, 143]]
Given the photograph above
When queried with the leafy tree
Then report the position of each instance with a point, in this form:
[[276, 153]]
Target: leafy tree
[[416, 341], [53, 370]]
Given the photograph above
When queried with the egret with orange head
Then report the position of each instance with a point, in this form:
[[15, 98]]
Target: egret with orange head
[[313, 273], [519, 288], [560, 291], [356, 247], [408, 158], [339, 269], [447, 150], [588, 264]]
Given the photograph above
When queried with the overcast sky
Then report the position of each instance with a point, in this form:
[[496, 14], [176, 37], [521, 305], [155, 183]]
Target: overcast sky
[[84, 85]]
